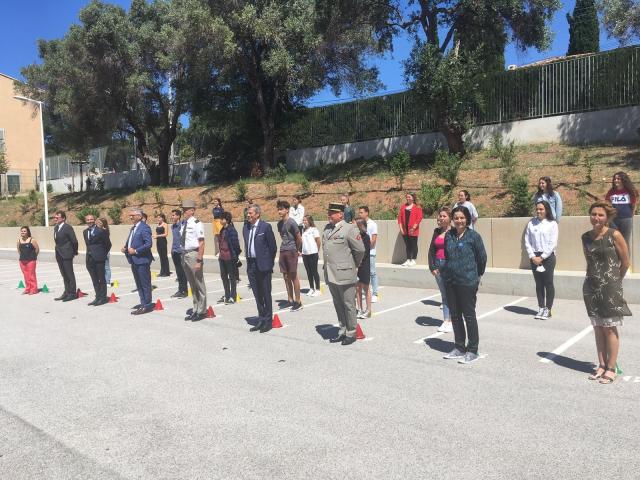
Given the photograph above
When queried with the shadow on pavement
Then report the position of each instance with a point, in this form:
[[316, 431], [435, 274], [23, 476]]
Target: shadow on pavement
[[428, 321], [566, 362], [253, 321], [327, 331], [520, 310], [439, 345], [431, 302]]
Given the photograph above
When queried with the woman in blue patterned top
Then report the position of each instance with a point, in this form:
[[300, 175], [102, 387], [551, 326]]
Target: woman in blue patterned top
[[465, 262]]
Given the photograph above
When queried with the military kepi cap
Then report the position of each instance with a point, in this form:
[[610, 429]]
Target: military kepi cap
[[188, 204], [335, 207]]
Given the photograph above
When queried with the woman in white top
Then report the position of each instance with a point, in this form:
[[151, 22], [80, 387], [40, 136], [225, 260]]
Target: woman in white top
[[541, 239], [464, 200], [296, 211], [310, 248]]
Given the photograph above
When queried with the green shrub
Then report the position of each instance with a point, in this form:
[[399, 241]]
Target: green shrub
[[12, 223], [589, 163], [140, 197], [447, 166], [87, 210], [115, 214], [430, 197], [25, 205], [277, 174], [240, 190], [271, 191], [573, 157], [33, 196], [157, 196], [306, 188], [509, 163], [37, 218], [348, 176], [399, 165], [496, 144], [385, 214], [520, 197], [49, 188]]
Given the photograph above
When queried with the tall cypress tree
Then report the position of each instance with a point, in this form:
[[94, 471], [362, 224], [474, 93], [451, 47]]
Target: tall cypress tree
[[584, 31]]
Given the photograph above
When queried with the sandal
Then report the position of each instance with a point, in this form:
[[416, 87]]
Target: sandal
[[595, 375], [606, 379]]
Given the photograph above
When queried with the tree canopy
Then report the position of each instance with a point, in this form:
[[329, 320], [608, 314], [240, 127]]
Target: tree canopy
[[584, 30], [621, 18]]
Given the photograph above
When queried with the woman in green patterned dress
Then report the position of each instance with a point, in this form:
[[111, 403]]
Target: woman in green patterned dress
[[607, 258]]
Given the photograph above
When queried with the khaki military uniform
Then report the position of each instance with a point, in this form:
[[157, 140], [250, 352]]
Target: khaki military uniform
[[343, 251]]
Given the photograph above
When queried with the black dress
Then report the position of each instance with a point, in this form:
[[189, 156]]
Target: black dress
[[161, 245]]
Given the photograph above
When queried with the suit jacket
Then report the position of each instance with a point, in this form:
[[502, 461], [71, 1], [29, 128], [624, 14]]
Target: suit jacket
[[141, 242], [66, 242], [98, 245], [264, 243], [343, 251]]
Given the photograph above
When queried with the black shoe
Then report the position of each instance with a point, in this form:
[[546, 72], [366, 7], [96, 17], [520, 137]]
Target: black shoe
[[61, 297], [142, 311], [348, 340], [338, 339], [198, 316], [189, 317], [266, 326], [256, 327], [137, 307], [69, 298], [182, 295], [189, 312], [134, 290], [297, 306], [95, 300], [175, 295], [101, 301]]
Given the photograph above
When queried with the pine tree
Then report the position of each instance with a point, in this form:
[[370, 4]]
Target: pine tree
[[584, 30]]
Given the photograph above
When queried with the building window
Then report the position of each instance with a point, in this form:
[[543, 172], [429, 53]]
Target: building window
[[13, 183]]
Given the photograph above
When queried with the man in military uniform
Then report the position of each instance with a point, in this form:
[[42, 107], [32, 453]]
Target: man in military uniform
[[192, 241], [343, 251]]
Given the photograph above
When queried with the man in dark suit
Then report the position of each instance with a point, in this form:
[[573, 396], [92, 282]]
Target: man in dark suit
[[98, 246], [260, 245], [138, 253], [66, 249]]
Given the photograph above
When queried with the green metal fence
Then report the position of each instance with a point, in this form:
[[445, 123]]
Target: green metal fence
[[579, 84]]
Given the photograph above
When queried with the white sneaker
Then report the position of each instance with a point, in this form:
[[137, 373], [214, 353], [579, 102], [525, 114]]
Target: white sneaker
[[310, 292], [406, 264], [539, 314], [454, 354], [446, 327], [360, 314], [469, 357], [316, 293], [413, 263], [374, 298], [546, 314]]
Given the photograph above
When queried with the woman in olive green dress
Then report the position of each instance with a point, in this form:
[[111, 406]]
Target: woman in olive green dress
[[607, 262]]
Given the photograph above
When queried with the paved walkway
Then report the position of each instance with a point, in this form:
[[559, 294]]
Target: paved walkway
[[95, 393]]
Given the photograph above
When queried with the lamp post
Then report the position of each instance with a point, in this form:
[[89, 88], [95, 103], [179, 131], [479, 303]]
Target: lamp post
[[44, 165]]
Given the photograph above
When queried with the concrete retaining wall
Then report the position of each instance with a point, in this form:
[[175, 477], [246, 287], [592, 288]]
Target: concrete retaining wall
[[618, 125], [503, 239]]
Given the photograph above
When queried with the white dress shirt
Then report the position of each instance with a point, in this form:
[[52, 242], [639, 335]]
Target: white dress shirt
[[251, 251], [194, 233], [541, 236], [297, 213]]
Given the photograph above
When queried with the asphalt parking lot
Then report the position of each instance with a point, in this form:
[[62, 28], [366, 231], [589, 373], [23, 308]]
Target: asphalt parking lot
[[96, 393]]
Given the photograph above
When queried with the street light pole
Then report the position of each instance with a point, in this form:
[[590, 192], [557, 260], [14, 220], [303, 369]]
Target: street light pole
[[44, 164]]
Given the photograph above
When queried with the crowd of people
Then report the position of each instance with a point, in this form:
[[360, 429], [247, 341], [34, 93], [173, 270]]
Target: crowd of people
[[456, 258]]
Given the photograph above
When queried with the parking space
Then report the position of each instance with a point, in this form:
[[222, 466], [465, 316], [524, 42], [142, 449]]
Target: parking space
[[97, 389]]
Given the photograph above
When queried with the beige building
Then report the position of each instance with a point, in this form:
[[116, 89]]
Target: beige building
[[21, 138]]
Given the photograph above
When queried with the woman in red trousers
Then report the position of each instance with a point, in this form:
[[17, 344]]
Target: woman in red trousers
[[409, 218], [28, 249]]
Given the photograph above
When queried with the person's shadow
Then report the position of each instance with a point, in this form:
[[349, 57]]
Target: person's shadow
[[431, 302], [428, 321], [253, 321], [327, 331], [439, 345], [520, 310], [566, 362]]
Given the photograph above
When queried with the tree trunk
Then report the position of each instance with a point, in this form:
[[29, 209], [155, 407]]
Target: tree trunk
[[163, 165], [454, 140]]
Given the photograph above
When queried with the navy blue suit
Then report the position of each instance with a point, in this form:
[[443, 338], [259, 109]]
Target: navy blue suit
[[260, 267], [141, 261]]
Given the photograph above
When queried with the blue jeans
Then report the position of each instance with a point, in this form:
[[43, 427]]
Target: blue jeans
[[107, 270], [443, 292], [374, 275]]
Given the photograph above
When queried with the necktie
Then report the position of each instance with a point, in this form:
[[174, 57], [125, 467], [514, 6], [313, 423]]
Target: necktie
[[55, 231], [130, 236], [183, 236], [252, 250]]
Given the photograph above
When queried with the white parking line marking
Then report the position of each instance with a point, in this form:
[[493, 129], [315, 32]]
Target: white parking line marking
[[484, 315], [566, 345], [375, 314]]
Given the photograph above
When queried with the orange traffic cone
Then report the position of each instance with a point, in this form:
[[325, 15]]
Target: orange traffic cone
[[359, 333], [210, 312], [80, 294], [276, 323], [158, 305], [113, 298]]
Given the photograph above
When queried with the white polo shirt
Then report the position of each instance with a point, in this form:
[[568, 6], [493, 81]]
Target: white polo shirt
[[195, 232]]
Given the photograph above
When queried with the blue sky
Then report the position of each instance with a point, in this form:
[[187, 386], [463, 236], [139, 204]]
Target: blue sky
[[23, 23]]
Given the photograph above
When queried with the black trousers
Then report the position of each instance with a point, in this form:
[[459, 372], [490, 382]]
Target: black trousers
[[462, 304], [161, 245], [261, 286], [311, 266], [228, 273], [412, 246], [96, 271], [142, 277], [545, 291], [182, 277], [68, 277]]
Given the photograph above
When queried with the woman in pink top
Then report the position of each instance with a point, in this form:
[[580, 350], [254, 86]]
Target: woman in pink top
[[437, 261]]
